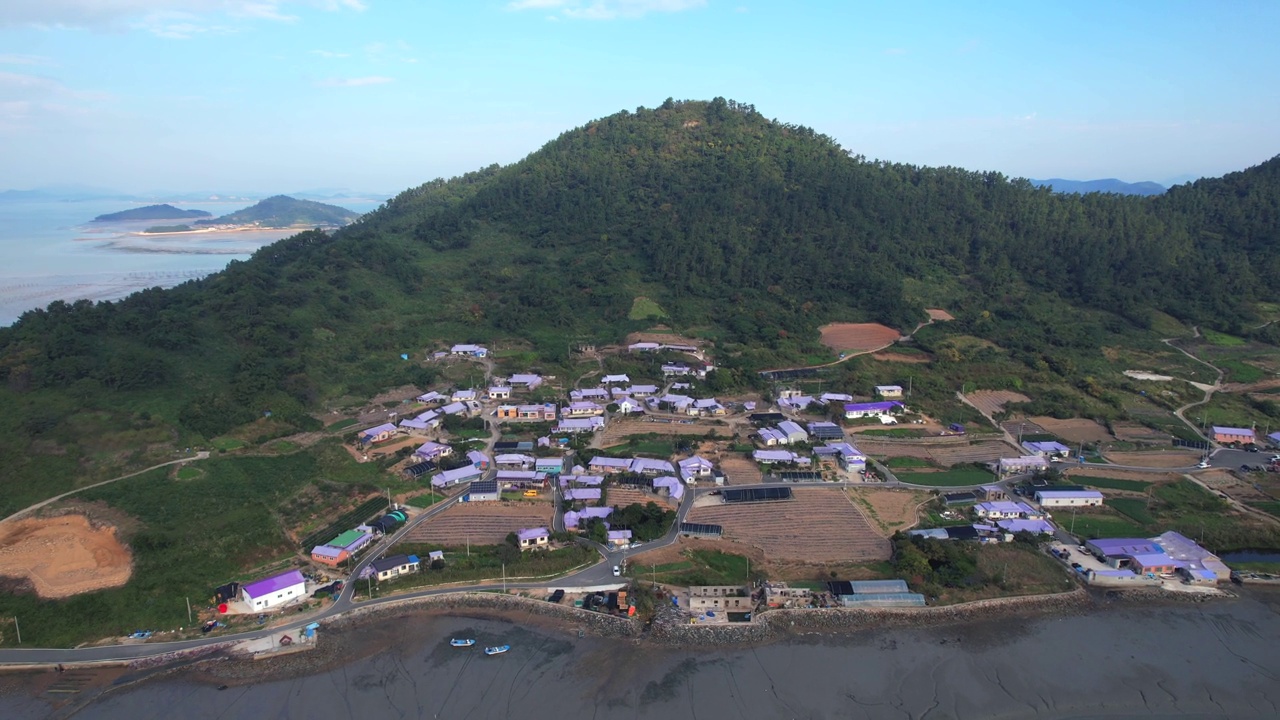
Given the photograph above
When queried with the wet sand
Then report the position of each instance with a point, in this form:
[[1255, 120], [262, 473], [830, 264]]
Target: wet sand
[[1217, 659]]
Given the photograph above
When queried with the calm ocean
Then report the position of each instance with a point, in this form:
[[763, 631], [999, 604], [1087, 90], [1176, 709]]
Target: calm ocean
[[50, 251]]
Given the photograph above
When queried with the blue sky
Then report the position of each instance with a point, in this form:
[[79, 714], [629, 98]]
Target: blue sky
[[279, 95]]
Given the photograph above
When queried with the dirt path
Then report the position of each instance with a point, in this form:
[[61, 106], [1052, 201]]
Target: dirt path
[[851, 355], [202, 455], [1209, 390]]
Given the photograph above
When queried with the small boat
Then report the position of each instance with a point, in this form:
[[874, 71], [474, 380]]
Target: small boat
[[458, 642], [496, 650]]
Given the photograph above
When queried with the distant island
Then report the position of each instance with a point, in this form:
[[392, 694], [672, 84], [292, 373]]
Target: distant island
[[1109, 185], [168, 229], [282, 211], [152, 212]]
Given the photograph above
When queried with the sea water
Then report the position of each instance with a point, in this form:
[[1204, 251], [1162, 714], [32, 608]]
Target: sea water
[[51, 250]]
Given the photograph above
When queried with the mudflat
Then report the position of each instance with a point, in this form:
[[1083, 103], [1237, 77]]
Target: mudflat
[[1122, 658]]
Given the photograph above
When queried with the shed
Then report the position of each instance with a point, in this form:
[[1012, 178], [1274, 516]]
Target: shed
[[274, 591], [483, 491]]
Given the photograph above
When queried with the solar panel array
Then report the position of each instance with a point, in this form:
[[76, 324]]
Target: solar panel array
[[422, 468], [799, 476], [755, 494], [701, 530]]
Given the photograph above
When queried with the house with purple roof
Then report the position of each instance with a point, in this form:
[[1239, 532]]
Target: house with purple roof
[[500, 392], [1035, 527], [457, 476], [431, 397], [274, 591], [615, 380], [607, 465], [578, 480], [618, 538], [850, 458], [589, 394], [528, 381], [581, 409], [533, 538], [1139, 555], [582, 494], [769, 457], [854, 411], [692, 468], [642, 391], [378, 434], [643, 347], [469, 350], [771, 437], [432, 450], [670, 487], [647, 466], [454, 408], [1002, 509], [478, 459], [580, 425], [574, 518], [1233, 436], [514, 461]]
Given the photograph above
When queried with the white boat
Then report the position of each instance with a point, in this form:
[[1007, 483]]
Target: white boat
[[496, 650], [456, 642]]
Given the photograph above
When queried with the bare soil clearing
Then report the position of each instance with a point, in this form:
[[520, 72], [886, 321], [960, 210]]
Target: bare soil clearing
[[64, 556], [1076, 430], [481, 523], [890, 510], [740, 471], [1155, 459], [1133, 432], [939, 315], [900, 358], [820, 525], [857, 337], [663, 339], [991, 402]]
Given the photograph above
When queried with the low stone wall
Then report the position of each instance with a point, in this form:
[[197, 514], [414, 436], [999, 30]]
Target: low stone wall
[[598, 623]]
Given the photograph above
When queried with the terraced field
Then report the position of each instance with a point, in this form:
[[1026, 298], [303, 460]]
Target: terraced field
[[977, 452], [991, 402], [820, 525], [739, 470], [623, 497], [486, 523]]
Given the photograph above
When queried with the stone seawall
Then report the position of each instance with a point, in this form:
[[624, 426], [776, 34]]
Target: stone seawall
[[597, 623]]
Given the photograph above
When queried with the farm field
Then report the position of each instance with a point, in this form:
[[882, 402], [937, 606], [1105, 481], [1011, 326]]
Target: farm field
[[63, 556], [1106, 483], [857, 337], [820, 525], [1173, 459], [889, 510], [991, 402], [939, 315], [483, 523], [617, 432], [939, 451], [623, 497], [1074, 430], [953, 477], [739, 470]]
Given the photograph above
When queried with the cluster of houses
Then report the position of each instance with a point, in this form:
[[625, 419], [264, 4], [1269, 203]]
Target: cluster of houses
[[1132, 559], [771, 441]]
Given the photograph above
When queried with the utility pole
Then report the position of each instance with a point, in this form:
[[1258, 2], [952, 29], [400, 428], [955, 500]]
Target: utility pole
[[504, 577], [189, 611], [17, 628], [369, 584], [1073, 520]]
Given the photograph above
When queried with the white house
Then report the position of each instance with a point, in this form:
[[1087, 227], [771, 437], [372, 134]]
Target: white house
[[889, 392], [615, 380], [273, 591], [695, 467], [471, 350], [793, 432], [1068, 498], [500, 392]]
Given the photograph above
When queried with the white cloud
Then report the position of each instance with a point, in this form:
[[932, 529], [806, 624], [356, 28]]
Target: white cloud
[[167, 18], [19, 59], [33, 101], [397, 51], [607, 9], [354, 82]]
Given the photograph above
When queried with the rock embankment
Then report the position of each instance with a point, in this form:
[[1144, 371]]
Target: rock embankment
[[598, 624]]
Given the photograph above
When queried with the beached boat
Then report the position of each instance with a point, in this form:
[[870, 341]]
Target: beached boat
[[496, 650], [457, 642]]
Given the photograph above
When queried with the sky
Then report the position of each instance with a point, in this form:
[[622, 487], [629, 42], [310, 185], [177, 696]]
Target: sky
[[380, 95]]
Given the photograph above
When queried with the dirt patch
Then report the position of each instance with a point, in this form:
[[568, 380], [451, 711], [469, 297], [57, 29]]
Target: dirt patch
[[481, 523], [63, 556], [991, 402], [890, 510], [740, 471], [1225, 482], [1104, 471], [1133, 432], [1155, 459], [623, 497], [1075, 430], [939, 315], [857, 337], [900, 358], [820, 525]]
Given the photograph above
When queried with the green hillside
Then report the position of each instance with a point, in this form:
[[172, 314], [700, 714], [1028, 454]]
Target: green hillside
[[284, 211], [745, 230], [151, 212]]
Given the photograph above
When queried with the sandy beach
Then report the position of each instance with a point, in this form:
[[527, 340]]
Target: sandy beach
[[1126, 658]]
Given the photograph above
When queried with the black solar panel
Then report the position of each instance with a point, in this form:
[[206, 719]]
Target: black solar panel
[[799, 476], [756, 494], [826, 433], [700, 529], [484, 486]]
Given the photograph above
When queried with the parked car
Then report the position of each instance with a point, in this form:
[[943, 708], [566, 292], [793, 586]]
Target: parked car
[[556, 596], [617, 571]]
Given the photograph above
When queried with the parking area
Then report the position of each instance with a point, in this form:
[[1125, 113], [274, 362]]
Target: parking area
[[1072, 555]]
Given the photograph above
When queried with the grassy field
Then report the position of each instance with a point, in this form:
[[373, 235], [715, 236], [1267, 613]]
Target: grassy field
[[342, 424], [483, 562], [896, 432], [642, 308], [1239, 371], [1133, 508], [1100, 524], [702, 567], [227, 444], [1011, 569], [187, 472], [1221, 339], [425, 500], [1111, 483], [907, 462], [956, 476], [1271, 508]]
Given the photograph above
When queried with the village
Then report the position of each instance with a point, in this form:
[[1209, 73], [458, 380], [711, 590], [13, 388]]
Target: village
[[625, 494]]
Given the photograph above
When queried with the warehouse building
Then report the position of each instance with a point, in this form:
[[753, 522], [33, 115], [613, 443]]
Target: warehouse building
[[274, 591]]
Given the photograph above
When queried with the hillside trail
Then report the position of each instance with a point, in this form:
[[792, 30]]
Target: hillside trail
[[1209, 390], [202, 455], [851, 355]]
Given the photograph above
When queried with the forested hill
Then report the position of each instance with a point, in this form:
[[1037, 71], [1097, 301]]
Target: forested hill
[[284, 211], [151, 212], [747, 230], [1109, 185]]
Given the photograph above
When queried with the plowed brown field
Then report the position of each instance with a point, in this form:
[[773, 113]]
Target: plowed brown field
[[856, 337], [482, 523]]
